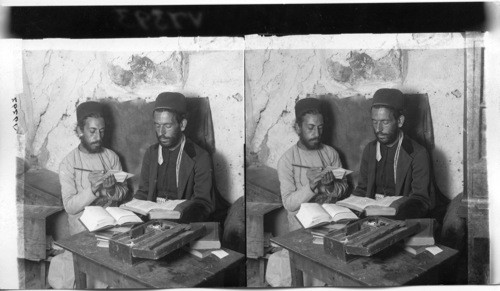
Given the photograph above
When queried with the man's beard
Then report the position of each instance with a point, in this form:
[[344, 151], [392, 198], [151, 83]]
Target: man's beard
[[387, 139], [311, 144], [93, 148], [169, 142]]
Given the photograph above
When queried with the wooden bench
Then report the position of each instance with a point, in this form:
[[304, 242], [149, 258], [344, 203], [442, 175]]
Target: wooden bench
[[262, 197], [38, 197]]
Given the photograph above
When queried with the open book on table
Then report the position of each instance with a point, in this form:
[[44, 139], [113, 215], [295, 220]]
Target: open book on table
[[314, 214], [170, 209], [386, 206], [96, 217]]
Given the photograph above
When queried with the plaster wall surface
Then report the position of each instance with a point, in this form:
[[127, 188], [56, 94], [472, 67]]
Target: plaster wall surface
[[441, 75], [276, 78], [56, 81]]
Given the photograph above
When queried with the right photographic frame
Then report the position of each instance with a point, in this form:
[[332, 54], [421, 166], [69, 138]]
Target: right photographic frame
[[337, 122]]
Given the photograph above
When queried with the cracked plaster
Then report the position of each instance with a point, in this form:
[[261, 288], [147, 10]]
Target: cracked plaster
[[288, 75], [276, 78], [55, 82]]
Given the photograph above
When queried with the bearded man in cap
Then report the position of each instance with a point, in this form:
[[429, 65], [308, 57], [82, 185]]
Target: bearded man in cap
[[85, 180], [300, 168], [394, 164], [175, 167], [84, 172]]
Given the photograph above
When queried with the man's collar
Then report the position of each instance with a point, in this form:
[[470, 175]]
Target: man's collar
[[160, 148], [407, 145], [397, 143]]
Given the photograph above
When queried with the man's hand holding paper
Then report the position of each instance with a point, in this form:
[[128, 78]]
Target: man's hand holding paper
[[314, 175], [339, 173], [99, 179], [327, 175], [120, 176], [96, 178]]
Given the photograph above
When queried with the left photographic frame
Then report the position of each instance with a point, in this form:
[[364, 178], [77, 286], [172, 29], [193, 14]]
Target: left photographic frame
[[45, 82]]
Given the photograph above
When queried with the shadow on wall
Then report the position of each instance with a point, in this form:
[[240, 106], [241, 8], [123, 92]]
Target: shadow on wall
[[348, 129], [130, 131], [221, 167]]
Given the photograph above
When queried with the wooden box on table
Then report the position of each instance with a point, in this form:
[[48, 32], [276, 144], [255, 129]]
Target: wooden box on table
[[153, 240], [366, 237]]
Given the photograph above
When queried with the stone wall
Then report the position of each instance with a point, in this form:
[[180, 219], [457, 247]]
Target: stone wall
[[56, 80], [277, 75]]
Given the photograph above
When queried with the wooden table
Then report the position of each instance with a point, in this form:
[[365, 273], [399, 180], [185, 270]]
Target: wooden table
[[176, 270], [390, 267]]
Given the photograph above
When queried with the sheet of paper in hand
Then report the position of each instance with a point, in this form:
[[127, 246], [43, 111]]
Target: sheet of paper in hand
[[120, 176], [338, 173]]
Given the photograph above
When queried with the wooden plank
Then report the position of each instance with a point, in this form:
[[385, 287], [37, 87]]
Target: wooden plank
[[42, 272], [255, 212], [176, 270], [39, 187], [39, 211], [255, 236], [79, 267], [38, 196], [261, 208], [44, 180], [253, 275], [262, 270], [27, 194], [390, 267], [475, 174], [31, 274], [32, 230], [262, 185], [34, 239], [297, 275], [85, 267]]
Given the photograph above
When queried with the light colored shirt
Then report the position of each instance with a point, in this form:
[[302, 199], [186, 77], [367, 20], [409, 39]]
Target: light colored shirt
[[294, 185], [76, 189]]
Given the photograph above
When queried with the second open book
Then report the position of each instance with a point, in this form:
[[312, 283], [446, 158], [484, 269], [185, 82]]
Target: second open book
[[96, 217], [170, 209], [385, 206], [314, 214]]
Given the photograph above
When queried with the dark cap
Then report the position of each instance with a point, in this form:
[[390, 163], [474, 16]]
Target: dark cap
[[171, 100], [306, 104], [389, 97], [86, 108]]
